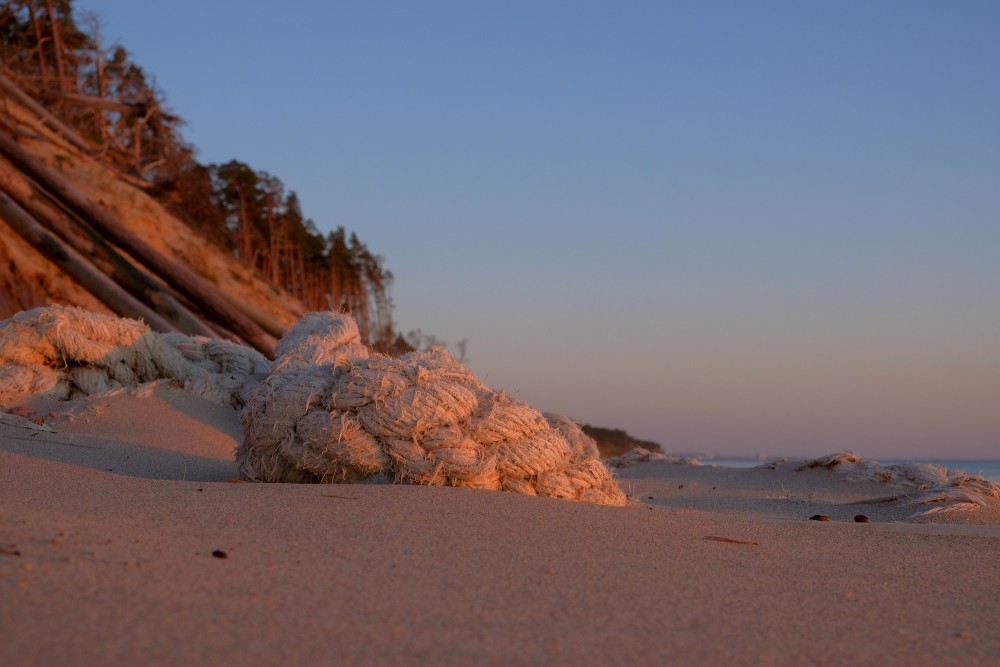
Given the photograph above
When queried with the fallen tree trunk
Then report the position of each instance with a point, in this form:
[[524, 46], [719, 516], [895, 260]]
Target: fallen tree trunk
[[101, 103], [77, 267], [192, 286], [89, 243], [28, 102]]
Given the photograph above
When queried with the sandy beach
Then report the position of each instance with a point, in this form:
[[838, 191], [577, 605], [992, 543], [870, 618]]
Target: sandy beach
[[125, 537], [392, 335]]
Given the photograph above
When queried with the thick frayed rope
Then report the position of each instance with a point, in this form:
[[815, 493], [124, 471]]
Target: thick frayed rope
[[67, 352], [329, 412]]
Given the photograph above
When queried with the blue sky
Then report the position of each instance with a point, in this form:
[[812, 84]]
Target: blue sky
[[725, 226]]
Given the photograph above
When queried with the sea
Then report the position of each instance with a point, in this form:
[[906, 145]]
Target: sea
[[988, 468]]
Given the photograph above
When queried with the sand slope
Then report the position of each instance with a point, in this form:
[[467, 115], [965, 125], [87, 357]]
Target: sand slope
[[115, 566]]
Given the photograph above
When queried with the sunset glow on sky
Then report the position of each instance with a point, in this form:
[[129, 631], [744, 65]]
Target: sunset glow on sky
[[729, 227]]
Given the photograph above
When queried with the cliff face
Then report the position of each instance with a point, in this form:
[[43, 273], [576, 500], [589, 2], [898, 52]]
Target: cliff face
[[29, 279]]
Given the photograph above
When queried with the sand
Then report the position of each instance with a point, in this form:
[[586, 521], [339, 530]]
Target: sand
[[109, 521]]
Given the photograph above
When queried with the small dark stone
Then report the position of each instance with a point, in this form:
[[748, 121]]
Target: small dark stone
[[861, 518], [713, 488], [219, 553], [649, 497], [680, 486], [819, 517]]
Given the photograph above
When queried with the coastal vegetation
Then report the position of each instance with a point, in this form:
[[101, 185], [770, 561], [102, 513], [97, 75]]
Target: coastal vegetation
[[615, 442], [110, 108]]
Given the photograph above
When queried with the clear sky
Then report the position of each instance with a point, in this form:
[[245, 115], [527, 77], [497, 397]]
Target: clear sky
[[730, 227]]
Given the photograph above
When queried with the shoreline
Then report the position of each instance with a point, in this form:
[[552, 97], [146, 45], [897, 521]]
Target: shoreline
[[988, 468]]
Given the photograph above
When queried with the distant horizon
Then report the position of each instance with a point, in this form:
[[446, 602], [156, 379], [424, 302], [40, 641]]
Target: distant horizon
[[719, 226], [768, 457]]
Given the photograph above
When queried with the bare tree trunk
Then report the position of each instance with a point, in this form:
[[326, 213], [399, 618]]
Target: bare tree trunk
[[334, 288], [137, 145], [102, 120], [39, 42], [293, 260], [246, 250], [57, 46], [272, 247]]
